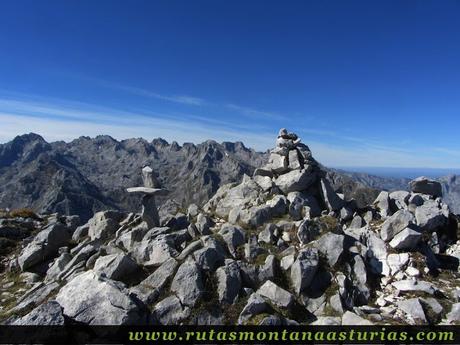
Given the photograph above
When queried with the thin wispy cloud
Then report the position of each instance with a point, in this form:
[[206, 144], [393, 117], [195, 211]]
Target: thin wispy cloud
[[181, 99], [253, 112], [188, 100]]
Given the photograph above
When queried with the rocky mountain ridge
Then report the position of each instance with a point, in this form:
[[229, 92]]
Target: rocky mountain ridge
[[281, 247], [88, 175]]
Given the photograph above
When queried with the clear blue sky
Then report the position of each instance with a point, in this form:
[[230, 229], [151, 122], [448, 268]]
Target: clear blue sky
[[365, 83]]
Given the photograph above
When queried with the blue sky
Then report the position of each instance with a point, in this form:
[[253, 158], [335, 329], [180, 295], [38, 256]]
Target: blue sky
[[364, 83]]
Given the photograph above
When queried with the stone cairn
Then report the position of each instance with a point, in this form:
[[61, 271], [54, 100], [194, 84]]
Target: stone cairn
[[291, 166], [150, 189]]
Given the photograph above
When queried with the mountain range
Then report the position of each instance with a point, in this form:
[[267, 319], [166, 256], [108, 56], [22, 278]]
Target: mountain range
[[87, 175]]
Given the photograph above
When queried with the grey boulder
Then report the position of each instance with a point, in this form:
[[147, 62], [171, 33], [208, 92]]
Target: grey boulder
[[276, 295], [332, 247], [95, 300], [395, 224], [170, 311], [406, 239], [228, 282], [47, 314], [44, 245], [296, 180], [188, 283], [104, 224], [425, 185], [304, 269], [116, 266]]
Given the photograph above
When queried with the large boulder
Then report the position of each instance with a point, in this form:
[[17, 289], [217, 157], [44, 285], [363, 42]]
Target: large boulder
[[395, 224], [425, 185], [104, 224], [406, 240], [308, 231], [228, 282], [382, 202], [253, 216], [278, 163], [233, 236], [188, 283], [233, 196], [256, 305], [44, 246], [296, 180], [204, 224], [330, 198], [170, 311], [302, 205], [430, 216], [413, 308], [399, 200], [47, 314], [332, 246], [159, 278], [153, 252], [376, 252], [94, 300], [276, 295], [116, 266], [152, 287], [304, 269]]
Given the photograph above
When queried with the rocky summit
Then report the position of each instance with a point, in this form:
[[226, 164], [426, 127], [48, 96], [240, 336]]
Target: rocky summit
[[280, 247]]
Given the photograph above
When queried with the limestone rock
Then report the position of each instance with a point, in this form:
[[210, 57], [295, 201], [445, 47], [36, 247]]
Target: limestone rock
[[44, 245], [383, 204], [233, 236], [162, 274], [395, 224], [276, 295], [116, 266], [104, 224], [188, 283], [430, 216], [331, 246], [399, 200], [296, 180], [414, 308], [304, 269], [330, 198], [278, 163], [255, 305], [453, 317], [414, 286], [406, 239], [351, 319], [268, 234], [425, 185], [47, 314], [94, 300], [265, 182], [204, 224], [155, 252], [228, 282], [170, 311]]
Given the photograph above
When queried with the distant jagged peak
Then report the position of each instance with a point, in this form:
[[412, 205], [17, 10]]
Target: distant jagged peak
[[160, 142], [30, 137], [234, 146], [105, 138], [175, 146]]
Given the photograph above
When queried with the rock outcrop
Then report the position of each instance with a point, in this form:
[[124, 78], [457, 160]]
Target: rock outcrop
[[280, 248]]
